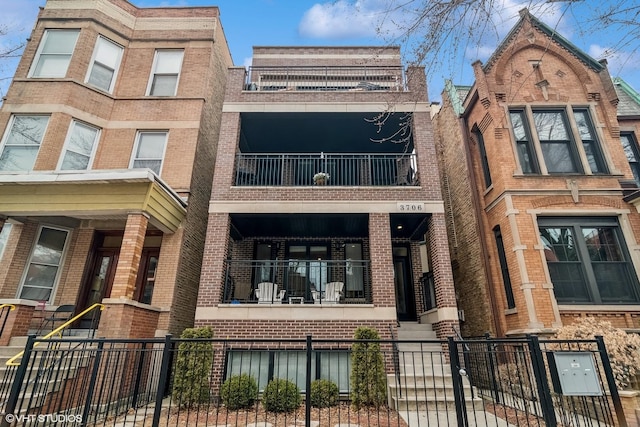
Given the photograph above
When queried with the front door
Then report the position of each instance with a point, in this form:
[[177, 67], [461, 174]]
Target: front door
[[403, 282], [100, 281], [307, 269]]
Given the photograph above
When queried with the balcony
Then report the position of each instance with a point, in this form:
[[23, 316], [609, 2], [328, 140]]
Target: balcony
[[303, 281], [327, 78], [343, 169]]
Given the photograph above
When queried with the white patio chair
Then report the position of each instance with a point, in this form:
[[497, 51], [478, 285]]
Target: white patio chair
[[267, 293], [331, 294]]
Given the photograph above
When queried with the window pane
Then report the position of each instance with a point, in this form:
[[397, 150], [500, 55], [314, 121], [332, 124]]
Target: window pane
[[151, 145], [101, 76], [613, 282], [168, 62], [558, 157], [52, 66], [518, 126], [49, 247], [18, 158], [602, 244], [108, 53], [525, 157], [629, 149], [75, 161], [41, 275], [82, 138], [559, 244], [4, 236], [335, 366], [550, 126], [27, 130], [292, 365], [60, 41], [164, 85], [35, 294], [568, 282], [254, 363], [154, 165]]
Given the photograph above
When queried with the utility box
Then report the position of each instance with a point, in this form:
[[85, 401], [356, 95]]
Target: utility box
[[574, 373]]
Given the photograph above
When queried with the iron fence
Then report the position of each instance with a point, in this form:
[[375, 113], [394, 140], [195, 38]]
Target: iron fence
[[171, 382], [341, 169], [297, 281], [327, 78]]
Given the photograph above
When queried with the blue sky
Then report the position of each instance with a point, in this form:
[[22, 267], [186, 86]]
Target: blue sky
[[364, 22]]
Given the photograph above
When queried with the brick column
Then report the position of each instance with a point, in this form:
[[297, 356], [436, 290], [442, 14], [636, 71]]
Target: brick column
[[381, 260], [124, 282], [447, 316], [216, 251], [18, 320]]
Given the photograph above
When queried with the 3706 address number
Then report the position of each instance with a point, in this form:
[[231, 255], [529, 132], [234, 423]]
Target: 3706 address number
[[410, 207]]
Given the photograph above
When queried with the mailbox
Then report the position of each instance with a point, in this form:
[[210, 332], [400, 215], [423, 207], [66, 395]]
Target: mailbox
[[574, 373]]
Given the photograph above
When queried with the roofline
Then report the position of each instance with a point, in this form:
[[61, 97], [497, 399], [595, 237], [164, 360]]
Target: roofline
[[550, 32], [626, 88]]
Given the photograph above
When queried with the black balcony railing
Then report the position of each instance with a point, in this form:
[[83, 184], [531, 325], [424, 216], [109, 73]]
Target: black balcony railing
[[342, 169], [334, 78], [297, 282]]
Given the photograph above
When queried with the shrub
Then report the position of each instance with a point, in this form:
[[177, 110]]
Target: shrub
[[281, 396], [368, 379], [515, 379], [324, 393], [623, 348], [193, 367], [239, 391]]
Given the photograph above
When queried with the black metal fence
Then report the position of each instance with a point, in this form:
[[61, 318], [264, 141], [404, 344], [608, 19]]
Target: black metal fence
[[327, 169], [171, 382]]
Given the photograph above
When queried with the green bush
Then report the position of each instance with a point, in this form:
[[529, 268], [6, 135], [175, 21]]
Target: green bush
[[368, 379], [324, 393], [239, 391], [193, 367], [281, 396]]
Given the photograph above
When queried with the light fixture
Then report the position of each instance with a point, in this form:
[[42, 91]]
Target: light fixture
[[399, 226]]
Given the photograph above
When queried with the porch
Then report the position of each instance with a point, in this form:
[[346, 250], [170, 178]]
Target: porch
[[331, 169]]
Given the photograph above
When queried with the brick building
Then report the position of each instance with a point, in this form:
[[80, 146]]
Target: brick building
[[109, 133], [544, 225], [289, 251]]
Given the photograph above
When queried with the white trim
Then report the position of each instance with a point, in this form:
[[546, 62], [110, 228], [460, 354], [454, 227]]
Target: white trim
[[67, 140], [92, 63], [153, 71], [320, 206], [63, 256], [321, 107], [137, 143], [36, 58]]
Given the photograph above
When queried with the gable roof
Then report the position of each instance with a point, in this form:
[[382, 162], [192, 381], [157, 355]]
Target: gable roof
[[628, 98], [457, 94], [551, 33]]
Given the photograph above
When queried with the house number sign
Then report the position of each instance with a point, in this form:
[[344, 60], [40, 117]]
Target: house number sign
[[410, 207]]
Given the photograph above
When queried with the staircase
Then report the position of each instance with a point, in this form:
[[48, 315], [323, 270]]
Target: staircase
[[424, 381], [43, 376]]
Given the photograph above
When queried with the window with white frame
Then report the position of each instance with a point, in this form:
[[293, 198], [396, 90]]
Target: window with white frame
[[45, 262], [588, 261], [54, 53], [551, 130], [4, 237], [21, 142], [149, 150], [165, 72], [79, 147], [104, 64]]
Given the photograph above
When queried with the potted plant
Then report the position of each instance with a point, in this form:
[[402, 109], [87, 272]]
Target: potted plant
[[321, 178]]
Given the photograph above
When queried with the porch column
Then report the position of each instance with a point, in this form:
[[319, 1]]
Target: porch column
[[446, 317], [216, 252], [124, 282], [381, 260]]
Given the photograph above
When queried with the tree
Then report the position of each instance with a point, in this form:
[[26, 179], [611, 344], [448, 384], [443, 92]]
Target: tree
[[10, 52], [436, 33]]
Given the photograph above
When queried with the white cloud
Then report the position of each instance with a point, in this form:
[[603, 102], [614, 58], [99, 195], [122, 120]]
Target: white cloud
[[617, 61], [343, 19]]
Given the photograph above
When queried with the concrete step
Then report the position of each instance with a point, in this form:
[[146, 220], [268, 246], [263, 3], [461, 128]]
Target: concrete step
[[421, 349], [442, 403], [414, 326], [425, 370], [417, 336]]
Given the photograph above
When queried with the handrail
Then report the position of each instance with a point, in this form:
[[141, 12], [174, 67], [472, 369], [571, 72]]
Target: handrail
[[12, 361], [13, 307]]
